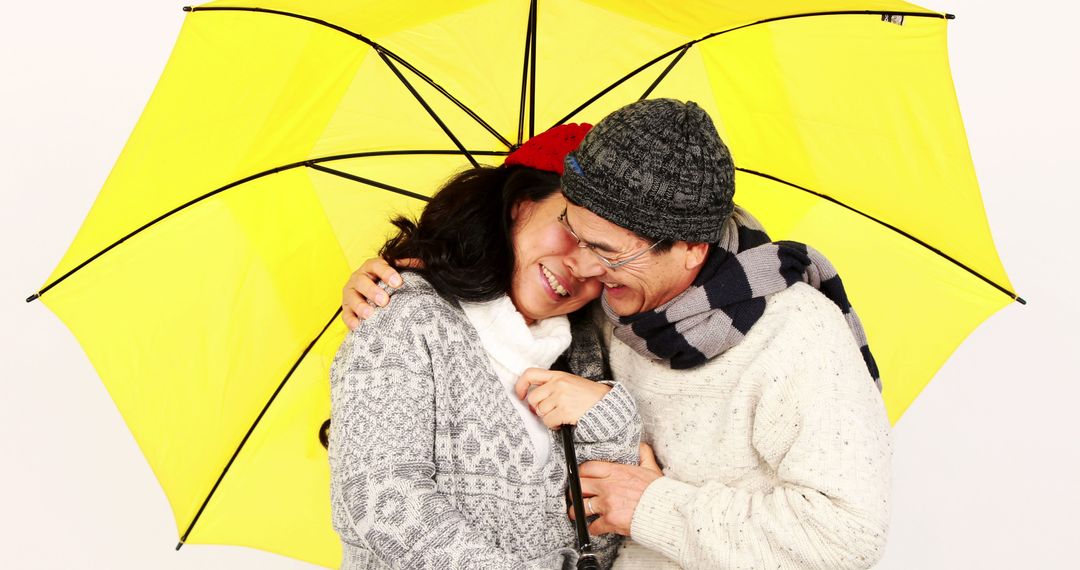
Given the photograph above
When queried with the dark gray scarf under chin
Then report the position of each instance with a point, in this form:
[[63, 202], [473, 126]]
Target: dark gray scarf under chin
[[717, 311]]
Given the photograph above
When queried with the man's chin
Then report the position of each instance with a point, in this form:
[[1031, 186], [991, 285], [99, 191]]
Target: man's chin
[[620, 303]]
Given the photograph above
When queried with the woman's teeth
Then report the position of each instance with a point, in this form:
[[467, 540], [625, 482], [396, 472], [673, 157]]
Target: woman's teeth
[[612, 285], [554, 282]]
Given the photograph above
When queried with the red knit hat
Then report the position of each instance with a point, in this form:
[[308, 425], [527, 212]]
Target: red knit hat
[[547, 150]]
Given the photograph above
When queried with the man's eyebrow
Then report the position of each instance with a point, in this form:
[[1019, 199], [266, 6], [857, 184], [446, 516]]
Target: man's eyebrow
[[593, 244], [601, 246]]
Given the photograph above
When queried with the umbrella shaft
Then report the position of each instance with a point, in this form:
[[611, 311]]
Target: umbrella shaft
[[574, 480]]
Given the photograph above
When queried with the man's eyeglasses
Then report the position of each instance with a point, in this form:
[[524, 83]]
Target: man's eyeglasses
[[609, 263]]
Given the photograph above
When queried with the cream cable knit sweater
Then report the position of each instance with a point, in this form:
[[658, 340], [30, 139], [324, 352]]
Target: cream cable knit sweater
[[775, 454]]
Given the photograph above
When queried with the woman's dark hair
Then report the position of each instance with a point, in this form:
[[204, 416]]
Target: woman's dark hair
[[464, 237]]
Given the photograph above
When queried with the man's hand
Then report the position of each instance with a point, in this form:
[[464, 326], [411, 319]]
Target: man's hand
[[613, 490], [362, 289], [558, 398]]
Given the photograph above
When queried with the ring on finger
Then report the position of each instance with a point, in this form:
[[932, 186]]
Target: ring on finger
[[589, 507]]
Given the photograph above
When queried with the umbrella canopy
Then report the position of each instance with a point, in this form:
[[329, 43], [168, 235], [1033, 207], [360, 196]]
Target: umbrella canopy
[[205, 282]]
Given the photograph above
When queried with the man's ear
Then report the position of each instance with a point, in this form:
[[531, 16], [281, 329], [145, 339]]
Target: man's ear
[[696, 254]]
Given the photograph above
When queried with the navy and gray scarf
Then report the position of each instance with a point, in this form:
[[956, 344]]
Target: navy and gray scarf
[[717, 311]]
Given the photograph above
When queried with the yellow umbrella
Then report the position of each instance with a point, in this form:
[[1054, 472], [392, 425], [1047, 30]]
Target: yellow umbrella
[[205, 282]]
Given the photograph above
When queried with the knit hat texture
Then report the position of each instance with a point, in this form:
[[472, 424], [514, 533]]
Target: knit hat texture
[[658, 168]]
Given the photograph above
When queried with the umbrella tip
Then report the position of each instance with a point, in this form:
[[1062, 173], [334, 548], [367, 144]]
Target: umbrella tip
[[950, 16], [1020, 300], [186, 9], [179, 544], [32, 298]]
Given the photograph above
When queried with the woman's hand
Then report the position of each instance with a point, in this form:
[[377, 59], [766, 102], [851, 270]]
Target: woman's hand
[[558, 398], [363, 289]]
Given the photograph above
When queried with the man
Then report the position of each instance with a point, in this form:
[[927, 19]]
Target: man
[[756, 390]]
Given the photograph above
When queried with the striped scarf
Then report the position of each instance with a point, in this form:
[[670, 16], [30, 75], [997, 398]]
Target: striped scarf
[[717, 311]]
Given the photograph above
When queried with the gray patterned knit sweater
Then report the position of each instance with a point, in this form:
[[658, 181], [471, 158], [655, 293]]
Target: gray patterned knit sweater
[[432, 467]]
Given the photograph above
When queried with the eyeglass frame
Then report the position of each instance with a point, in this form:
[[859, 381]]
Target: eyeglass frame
[[610, 264]]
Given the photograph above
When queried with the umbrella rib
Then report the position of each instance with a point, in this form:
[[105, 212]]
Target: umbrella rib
[[377, 47], [617, 83], [275, 170], [369, 182], [529, 31], [933, 15], [664, 73], [828, 198], [687, 45], [532, 73], [255, 424], [377, 153], [430, 111], [447, 94]]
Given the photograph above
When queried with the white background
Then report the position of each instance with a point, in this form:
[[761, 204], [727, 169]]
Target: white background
[[986, 460]]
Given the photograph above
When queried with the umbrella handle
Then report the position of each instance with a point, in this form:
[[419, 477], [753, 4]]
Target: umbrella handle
[[574, 481], [587, 560]]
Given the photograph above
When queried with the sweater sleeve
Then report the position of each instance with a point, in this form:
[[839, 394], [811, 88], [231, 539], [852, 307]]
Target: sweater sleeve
[[821, 427], [383, 491], [611, 429]]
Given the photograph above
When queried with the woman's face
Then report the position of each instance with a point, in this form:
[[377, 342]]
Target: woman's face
[[543, 285]]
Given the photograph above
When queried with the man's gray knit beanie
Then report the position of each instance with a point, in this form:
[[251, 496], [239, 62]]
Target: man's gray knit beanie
[[657, 168]]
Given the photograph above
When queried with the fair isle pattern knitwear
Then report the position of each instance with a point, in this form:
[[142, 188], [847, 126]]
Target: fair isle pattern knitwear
[[728, 296], [513, 346], [430, 464]]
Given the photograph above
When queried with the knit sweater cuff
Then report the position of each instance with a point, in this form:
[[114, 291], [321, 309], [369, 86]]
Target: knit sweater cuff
[[608, 417], [657, 523]]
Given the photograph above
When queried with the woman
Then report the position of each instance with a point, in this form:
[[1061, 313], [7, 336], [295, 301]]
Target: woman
[[436, 461]]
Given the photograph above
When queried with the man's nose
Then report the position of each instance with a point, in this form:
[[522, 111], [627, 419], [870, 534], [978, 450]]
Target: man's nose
[[584, 265]]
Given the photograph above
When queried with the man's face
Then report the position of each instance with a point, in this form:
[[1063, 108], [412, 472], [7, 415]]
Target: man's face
[[638, 286]]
